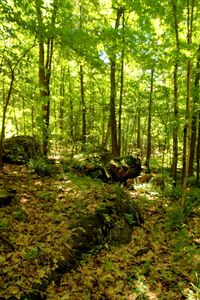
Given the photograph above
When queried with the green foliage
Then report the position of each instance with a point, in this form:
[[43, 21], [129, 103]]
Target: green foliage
[[108, 265], [19, 214], [175, 217], [4, 223], [192, 201], [32, 253], [42, 167], [130, 219]]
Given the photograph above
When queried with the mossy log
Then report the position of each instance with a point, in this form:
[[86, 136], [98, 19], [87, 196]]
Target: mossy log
[[118, 169]]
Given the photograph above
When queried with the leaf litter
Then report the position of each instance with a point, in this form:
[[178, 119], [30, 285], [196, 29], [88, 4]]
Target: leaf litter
[[158, 263]]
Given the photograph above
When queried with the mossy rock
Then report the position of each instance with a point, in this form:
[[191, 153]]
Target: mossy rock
[[20, 149], [111, 224]]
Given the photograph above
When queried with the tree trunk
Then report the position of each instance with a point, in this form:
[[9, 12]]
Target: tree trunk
[[5, 107], [138, 130], [148, 153], [187, 129], [198, 149], [121, 89], [113, 125], [62, 107], [45, 64], [7, 101], [44, 83], [176, 108], [194, 116], [83, 107]]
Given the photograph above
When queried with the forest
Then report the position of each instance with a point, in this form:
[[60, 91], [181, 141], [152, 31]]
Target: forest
[[99, 149]]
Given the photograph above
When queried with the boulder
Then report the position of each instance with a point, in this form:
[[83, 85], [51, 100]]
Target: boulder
[[20, 149]]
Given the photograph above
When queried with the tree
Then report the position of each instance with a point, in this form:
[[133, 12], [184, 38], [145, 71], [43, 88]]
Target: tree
[[112, 57], [46, 38], [12, 69], [187, 127], [176, 107]]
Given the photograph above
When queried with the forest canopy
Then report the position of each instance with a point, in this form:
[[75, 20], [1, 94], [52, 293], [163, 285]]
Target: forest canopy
[[121, 75]]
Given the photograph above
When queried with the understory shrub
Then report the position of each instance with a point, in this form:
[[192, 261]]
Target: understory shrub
[[42, 167], [177, 215], [192, 201]]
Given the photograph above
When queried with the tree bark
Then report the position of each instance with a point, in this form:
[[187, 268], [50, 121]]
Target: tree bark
[[194, 116], [7, 100], [45, 64], [83, 107], [176, 107], [113, 123], [187, 129], [148, 152], [121, 88]]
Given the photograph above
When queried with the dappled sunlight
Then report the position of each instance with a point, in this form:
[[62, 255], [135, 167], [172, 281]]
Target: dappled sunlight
[[157, 263]]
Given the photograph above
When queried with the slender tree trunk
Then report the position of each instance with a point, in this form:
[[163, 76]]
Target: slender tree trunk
[[121, 88], [83, 106], [138, 130], [148, 152], [198, 149], [176, 107], [194, 116], [113, 123], [62, 99], [62, 107], [44, 83], [187, 129], [45, 63], [7, 101]]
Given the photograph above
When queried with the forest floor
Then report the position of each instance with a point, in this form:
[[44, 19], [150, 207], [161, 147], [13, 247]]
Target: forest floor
[[162, 261]]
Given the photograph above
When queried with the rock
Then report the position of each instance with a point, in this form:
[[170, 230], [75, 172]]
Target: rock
[[112, 223], [20, 149]]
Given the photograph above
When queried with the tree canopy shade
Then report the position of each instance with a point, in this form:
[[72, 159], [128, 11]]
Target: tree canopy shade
[[117, 74]]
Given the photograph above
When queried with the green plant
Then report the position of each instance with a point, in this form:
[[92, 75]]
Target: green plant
[[42, 167], [19, 214], [175, 217], [32, 253], [130, 219], [192, 201]]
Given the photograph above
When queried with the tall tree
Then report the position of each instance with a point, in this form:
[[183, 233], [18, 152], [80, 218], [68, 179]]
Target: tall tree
[[12, 69], [187, 127], [46, 46], [176, 106], [113, 123], [148, 151], [195, 99], [121, 83]]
